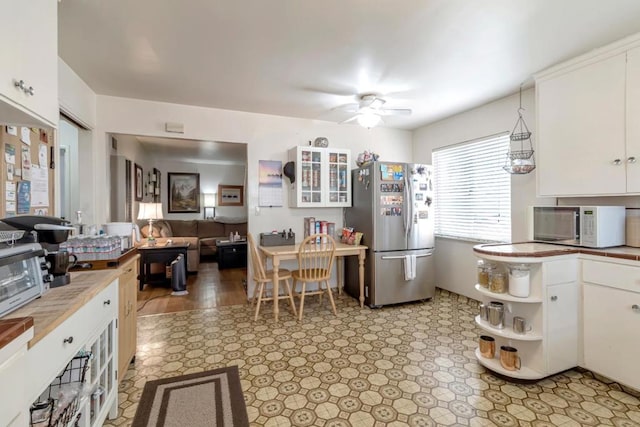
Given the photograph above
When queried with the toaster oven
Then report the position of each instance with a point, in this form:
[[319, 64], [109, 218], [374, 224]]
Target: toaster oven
[[22, 274]]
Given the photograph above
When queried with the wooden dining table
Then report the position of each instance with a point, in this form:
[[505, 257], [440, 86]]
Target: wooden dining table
[[282, 253]]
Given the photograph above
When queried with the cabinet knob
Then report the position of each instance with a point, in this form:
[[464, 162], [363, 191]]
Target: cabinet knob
[[68, 340], [29, 90], [107, 302], [554, 298], [635, 308], [19, 84], [631, 159], [617, 162]]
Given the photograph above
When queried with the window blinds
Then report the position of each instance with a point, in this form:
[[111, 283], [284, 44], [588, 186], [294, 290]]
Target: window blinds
[[472, 191]]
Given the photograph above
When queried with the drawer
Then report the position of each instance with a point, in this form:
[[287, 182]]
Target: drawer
[[12, 398], [620, 276], [562, 271], [51, 354], [129, 273]]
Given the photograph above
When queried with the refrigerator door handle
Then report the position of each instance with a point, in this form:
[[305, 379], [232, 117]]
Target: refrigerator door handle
[[403, 257], [406, 214]]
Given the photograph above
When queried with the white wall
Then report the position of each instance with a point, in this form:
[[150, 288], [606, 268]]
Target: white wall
[[75, 97], [456, 264], [210, 176]]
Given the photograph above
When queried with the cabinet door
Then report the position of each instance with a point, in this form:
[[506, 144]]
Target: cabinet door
[[308, 190], [127, 317], [581, 130], [30, 41], [338, 187], [561, 332], [611, 326], [633, 124]]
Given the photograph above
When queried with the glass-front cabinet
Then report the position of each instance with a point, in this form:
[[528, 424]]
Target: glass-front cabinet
[[322, 177]]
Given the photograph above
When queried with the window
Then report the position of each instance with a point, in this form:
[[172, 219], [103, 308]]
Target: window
[[472, 191]]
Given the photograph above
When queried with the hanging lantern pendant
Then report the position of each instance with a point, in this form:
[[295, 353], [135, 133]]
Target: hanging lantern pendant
[[519, 162]]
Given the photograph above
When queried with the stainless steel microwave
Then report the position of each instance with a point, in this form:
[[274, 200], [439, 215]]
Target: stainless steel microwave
[[21, 275], [589, 226]]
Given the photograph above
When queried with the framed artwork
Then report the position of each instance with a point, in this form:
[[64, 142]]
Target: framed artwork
[[183, 192], [138, 181], [156, 188], [230, 195]]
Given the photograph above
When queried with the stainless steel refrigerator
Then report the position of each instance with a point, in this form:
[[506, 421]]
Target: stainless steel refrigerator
[[392, 207]]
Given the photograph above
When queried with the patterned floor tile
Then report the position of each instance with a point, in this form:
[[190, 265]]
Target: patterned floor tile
[[412, 364]]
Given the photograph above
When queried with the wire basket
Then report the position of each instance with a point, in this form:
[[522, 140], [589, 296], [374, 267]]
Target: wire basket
[[521, 155], [59, 405]]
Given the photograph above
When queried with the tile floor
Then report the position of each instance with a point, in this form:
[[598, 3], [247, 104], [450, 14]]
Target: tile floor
[[412, 364]]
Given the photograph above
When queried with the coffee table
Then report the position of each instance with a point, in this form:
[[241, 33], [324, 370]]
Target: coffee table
[[161, 254]]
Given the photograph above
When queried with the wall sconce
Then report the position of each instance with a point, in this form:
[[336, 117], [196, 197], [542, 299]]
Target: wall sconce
[[209, 202], [152, 188]]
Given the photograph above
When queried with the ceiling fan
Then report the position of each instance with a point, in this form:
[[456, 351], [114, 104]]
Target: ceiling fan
[[369, 111]]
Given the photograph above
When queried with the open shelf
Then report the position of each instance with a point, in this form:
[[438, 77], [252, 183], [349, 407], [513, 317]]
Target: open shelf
[[507, 332], [494, 364], [506, 296]]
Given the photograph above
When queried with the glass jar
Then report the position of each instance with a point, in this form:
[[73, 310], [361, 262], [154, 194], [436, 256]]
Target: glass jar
[[484, 269], [519, 280], [498, 282]]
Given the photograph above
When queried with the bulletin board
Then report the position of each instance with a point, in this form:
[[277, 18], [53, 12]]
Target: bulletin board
[[27, 174]]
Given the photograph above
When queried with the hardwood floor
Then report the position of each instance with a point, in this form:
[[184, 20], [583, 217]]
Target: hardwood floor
[[209, 288]]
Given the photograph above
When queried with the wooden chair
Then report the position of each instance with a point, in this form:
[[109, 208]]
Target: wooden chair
[[262, 277], [315, 263]]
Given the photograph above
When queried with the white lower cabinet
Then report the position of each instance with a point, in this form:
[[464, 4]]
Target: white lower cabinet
[[611, 319], [83, 347], [551, 313]]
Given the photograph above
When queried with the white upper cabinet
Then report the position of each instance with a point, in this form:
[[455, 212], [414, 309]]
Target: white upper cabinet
[[588, 141], [633, 121], [29, 71], [322, 177]]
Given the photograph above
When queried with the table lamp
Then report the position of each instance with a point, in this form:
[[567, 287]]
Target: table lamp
[[209, 202], [151, 212]]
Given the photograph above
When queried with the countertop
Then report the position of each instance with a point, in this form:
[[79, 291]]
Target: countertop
[[10, 329], [539, 250], [58, 304]]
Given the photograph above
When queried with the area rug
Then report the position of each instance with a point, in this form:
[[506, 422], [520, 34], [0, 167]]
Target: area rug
[[204, 399]]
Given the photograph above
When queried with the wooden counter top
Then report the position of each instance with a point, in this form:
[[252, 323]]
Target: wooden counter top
[[10, 329], [54, 307], [540, 250]]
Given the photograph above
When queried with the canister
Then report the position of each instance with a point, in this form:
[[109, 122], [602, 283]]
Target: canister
[[483, 273], [519, 280], [498, 281]]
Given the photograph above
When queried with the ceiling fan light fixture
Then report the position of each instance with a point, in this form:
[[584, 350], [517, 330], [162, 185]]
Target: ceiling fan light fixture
[[369, 120]]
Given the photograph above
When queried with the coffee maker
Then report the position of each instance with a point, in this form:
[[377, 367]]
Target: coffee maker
[[49, 232]]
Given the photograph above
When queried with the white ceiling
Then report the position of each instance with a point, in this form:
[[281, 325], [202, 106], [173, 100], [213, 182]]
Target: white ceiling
[[302, 58]]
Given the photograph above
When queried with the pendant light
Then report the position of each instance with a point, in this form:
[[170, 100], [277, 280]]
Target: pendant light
[[520, 161]]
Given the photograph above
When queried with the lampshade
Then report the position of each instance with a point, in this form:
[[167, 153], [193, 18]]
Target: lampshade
[[150, 211], [209, 200], [368, 119]]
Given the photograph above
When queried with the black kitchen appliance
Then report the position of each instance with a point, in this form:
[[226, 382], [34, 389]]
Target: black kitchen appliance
[[49, 232]]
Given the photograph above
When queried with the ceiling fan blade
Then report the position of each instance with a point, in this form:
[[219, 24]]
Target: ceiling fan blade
[[395, 111], [350, 119], [349, 108]]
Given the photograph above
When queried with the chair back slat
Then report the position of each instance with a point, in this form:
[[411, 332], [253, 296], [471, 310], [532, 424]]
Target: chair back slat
[[316, 255], [256, 260]]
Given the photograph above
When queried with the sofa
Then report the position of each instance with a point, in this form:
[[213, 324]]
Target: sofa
[[201, 234]]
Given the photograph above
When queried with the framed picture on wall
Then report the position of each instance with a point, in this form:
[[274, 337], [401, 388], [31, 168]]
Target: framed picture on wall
[[138, 183], [183, 192], [230, 195]]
